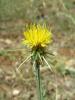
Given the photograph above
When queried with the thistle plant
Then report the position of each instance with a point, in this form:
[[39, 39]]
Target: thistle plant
[[37, 38]]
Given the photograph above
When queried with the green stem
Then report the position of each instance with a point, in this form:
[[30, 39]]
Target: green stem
[[38, 79]]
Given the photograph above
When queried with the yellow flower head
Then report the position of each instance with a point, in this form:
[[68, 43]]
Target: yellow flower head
[[37, 35]]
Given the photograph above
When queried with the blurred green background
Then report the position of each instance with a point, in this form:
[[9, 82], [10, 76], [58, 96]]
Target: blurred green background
[[59, 15]]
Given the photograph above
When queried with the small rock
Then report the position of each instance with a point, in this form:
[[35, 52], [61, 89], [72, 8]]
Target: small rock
[[15, 92], [8, 41], [55, 53]]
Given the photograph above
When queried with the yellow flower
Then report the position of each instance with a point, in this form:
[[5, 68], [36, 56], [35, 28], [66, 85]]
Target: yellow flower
[[37, 35]]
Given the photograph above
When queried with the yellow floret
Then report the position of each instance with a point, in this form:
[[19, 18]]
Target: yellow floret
[[37, 35]]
